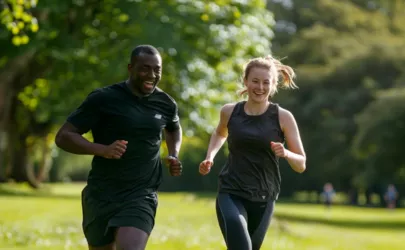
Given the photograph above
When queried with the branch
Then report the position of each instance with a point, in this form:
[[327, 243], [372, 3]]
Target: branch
[[15, 66]]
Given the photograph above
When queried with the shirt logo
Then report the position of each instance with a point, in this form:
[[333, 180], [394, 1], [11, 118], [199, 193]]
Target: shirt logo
[[158, 116]]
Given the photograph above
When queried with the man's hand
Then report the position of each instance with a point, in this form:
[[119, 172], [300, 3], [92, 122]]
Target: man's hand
[[115, 150], [175, 167]]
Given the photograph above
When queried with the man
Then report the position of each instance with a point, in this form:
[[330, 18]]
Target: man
[[126, 119]]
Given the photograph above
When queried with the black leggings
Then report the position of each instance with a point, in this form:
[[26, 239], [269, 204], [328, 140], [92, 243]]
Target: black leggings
[[243, 223]]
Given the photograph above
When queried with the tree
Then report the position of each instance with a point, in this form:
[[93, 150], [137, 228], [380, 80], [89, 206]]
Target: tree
[[379, 139], [345, 52], [81, 45]]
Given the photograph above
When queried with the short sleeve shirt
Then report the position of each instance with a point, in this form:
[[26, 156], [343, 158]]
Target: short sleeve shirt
[[114, 113]]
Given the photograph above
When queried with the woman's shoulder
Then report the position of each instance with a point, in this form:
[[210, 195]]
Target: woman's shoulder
[[286, 118], [229, 107]]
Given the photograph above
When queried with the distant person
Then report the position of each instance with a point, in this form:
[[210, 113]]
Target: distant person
[[353, 196], [256, 129], [126, 119], [328, 194], [391, 196]]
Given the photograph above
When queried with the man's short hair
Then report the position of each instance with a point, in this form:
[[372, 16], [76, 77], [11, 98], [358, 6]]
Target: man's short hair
[[143, 49]]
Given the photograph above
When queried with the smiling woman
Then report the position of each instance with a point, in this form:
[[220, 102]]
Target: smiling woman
[[267, 70], [249, 183]]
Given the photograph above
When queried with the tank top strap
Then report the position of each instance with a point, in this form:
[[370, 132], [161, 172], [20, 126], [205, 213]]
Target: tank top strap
[[273, 113], [237, 110], [273, 109]]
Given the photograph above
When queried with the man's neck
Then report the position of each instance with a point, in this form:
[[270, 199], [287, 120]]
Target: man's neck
[[134, 90]]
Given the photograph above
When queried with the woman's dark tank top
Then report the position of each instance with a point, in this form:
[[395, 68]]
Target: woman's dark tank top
[[252, 169]]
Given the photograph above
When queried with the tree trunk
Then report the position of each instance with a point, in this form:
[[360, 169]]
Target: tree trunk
[[5, 105], [21, 165], [8, 76], [45, 163]]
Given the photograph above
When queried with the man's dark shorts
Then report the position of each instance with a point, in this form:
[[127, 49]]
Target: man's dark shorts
[[100, 218]]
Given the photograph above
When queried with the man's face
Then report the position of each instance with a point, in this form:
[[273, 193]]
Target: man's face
[[145, 73]]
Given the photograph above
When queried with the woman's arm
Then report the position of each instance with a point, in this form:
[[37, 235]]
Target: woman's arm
[[218, 138], [295, 154]]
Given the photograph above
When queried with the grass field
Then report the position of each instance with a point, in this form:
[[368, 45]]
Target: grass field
[[51, 219]]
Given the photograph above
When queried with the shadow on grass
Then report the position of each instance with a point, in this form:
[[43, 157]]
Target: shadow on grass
[[349, 223], [41, 192], [345, 223], [205, 195]]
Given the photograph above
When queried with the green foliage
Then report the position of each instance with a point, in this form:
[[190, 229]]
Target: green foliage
[[31, 94], [380, 137], [83, 46], [17, 17], [348, 55], [344, 52], [373, 128]]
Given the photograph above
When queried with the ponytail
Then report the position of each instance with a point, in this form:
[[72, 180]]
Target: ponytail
[[284, 74]]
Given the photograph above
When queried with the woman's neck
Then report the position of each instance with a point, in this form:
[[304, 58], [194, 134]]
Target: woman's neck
[[256, 108]]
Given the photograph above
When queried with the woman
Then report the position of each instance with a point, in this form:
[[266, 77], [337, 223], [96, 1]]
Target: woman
[[255, 129]]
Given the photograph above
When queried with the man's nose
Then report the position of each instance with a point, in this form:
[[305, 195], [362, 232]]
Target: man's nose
[[151, 74]]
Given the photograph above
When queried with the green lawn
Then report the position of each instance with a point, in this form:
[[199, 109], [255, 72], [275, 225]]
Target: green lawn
[[51, 219]]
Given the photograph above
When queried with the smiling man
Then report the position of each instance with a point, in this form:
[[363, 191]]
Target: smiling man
[[126, 119]]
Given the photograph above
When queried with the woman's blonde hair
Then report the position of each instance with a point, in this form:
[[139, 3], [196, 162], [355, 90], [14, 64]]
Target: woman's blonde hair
[[282, 75]]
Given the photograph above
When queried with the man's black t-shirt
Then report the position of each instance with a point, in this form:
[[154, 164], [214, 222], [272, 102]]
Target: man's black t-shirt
[[115, 113]]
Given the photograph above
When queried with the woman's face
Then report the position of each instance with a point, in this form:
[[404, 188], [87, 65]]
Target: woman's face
[[258, 84]]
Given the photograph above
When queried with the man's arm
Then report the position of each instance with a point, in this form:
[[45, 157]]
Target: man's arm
[[82, 120], [70, 139], [173, 134], [79, 122], [173, 141]]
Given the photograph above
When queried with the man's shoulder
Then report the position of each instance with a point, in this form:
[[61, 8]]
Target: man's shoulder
[[104, 91], [162, 95], [113, 88]]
